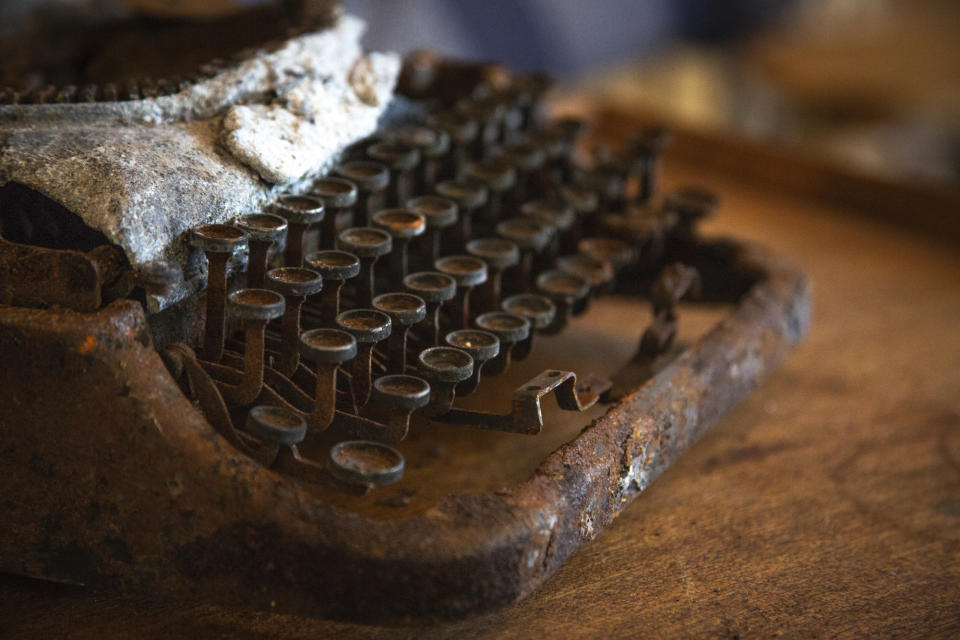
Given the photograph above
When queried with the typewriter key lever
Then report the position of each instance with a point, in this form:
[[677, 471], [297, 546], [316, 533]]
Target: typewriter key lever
[[218, 242], [368, 244], [300, 212], [402, 225], [526, 416], [481, 346], [279, 431], [263, 231], [328, 349], [537, 309], [335, 267], [364, 464], [255, 308], [405, 310], [439, 213], [368, 327], [509, 328], [294, 284], [435, 289], [444, 368], [396, 397]]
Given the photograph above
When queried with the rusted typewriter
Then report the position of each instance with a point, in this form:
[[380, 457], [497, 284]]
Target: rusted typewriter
[[341, 403]]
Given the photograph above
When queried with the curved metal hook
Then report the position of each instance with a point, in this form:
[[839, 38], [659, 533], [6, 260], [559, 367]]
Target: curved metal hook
[[526, 416]]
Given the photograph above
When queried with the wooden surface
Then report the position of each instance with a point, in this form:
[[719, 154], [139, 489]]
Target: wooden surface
[[827, 504]]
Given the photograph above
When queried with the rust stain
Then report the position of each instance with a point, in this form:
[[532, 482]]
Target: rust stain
[[89, 344]]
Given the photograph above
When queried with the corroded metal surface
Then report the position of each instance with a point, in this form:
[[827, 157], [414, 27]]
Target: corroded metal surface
[[121, 483]]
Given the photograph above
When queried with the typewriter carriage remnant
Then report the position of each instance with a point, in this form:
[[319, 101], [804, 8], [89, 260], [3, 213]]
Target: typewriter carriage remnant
[[228, 442]]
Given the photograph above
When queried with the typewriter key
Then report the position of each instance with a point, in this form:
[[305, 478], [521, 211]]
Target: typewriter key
[[537, 309], [469, 197], [368, 327], [443, 368], [365, 464], [488, 113], [556, 214], [371, 179], [467, 272], [397, 397], [532, 236], [328, 349], [400, 160], [584, 203], [218, 242], [509, 328], [402, 225], [527, 159], [481, 346], [294, 284], [598, 273], [565, 289], [264, 230], [435, 289], [439, 213], [405, 310], [368, 244], [338, 196], [462, 131], [499, 178], [300, 212], [433, 144], [275, 425], [254, 308], [617, 252], [500, 255], [336, 267]]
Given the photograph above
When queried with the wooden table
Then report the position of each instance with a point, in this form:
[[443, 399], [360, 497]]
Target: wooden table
[[826, 504]]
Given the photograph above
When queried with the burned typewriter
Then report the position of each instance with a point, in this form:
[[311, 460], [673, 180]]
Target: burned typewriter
[[339, 402]]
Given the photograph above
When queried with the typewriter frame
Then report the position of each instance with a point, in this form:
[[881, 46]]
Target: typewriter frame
[[158, 501]]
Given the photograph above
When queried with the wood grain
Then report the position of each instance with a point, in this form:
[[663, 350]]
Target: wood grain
[[827, 504]]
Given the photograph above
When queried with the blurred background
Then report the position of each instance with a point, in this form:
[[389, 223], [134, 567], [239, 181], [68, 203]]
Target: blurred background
[[871, 85]]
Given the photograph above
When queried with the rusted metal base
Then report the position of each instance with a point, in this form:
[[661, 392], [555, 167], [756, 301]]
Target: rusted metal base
[[113, 479]]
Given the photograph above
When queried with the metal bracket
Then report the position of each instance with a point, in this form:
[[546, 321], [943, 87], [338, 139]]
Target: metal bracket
[[526, 416]]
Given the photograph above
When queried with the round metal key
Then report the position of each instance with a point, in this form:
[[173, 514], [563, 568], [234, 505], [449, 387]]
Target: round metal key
[[366, 242], [299, 209], [538, 309], [431, 285], [263, 227], [508, 327], [365, 463], [366, 325], [334, 265], [335, 192], [401, 224], [294, 281], [439, 212], [331, 346], [498, 253], [258, 305], [366, 174], [445, 364], [400, 392], [404, 309], [275, 425], [467, 271], [217, 238], [480, 345]]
